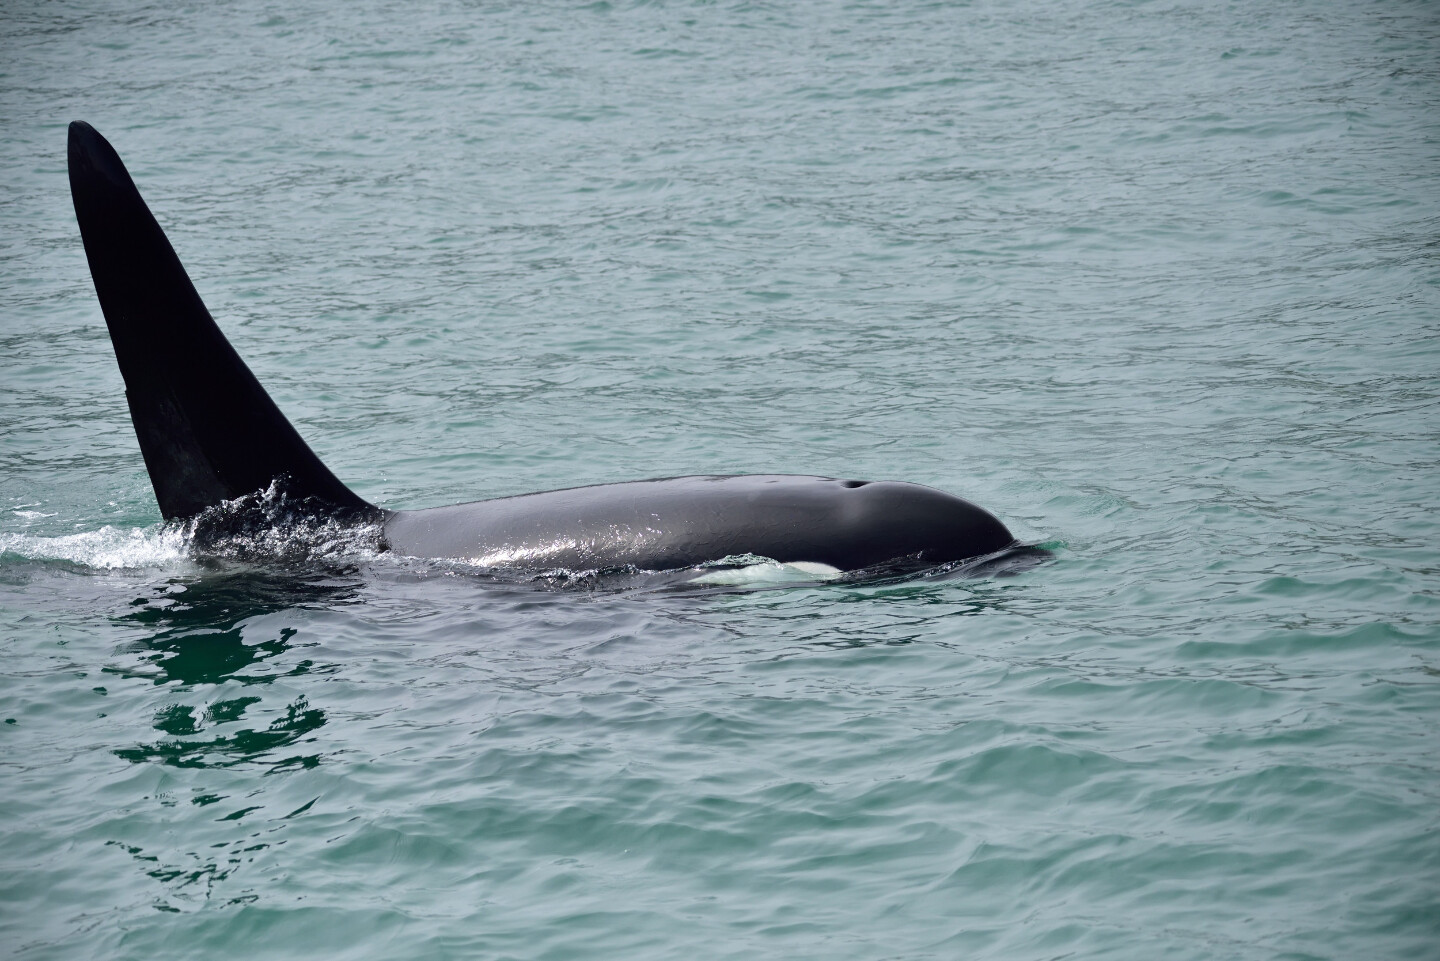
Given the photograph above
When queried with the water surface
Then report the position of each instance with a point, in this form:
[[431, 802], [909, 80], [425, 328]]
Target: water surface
[[1155, 282]]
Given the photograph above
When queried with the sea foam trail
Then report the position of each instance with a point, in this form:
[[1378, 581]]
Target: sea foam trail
[[109, 548], [262, 528]]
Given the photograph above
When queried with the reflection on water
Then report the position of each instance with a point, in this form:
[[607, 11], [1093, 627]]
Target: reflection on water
[[206, 874], [217, 628], [227, 750], [201, 624], [209, 657]]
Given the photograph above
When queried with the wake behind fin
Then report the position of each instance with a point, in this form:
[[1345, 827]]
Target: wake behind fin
[[208, 431]]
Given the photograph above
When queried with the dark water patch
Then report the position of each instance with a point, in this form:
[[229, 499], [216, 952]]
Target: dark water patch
[[201, 631], [225, 750]]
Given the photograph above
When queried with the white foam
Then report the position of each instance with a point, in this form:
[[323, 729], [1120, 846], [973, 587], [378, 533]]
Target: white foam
[[109, 548]]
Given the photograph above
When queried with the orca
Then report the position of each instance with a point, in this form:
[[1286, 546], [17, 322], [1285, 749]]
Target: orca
[[210, 435]]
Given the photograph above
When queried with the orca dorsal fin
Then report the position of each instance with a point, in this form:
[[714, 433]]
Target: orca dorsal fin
[[208, 431]]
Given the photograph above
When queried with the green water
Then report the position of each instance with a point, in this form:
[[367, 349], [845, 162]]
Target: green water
[[1158, 283]]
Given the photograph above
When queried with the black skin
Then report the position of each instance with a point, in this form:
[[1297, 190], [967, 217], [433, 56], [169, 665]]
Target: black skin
[[684, 521], [209, 433]]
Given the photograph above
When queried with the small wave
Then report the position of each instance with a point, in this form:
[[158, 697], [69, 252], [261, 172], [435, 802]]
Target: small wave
[[741, 571]]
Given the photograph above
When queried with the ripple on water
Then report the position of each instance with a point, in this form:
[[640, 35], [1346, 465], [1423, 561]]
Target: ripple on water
[[1155, 284]]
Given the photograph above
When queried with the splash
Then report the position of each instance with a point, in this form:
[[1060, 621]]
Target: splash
[[264, 527], [109, 548], [273, 525]]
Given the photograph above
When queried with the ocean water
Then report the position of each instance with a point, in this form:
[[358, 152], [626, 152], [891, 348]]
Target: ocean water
[[1157, 282]]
